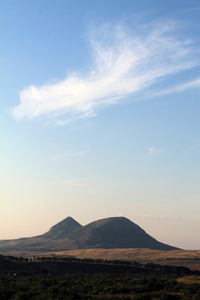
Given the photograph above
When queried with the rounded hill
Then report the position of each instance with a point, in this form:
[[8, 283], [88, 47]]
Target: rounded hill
[[115, 232]]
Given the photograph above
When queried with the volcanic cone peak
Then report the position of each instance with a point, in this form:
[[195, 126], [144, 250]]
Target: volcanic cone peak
[[63, 228]]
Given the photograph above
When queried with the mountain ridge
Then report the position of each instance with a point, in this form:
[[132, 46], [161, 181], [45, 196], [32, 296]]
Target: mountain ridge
[[107, 233]]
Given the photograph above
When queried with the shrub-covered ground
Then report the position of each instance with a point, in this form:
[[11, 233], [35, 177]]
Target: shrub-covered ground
[[44, 279], [94, 286]]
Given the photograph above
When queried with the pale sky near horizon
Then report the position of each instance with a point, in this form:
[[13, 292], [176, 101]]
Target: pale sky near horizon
[[99, 115]]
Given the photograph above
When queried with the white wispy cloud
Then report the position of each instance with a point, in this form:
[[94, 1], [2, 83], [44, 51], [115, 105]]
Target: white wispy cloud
[[160, 217], [125, 62], [63, 156], [167, 217], [154, 152], [179, 88]]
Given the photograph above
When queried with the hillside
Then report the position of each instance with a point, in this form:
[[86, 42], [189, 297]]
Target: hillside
[[109, 233]]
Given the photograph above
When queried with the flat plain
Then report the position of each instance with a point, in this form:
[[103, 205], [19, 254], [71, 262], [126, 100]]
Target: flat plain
[[187, 258]]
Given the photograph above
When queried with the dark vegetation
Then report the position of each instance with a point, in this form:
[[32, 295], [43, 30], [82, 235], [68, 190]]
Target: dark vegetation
[[53, 278]]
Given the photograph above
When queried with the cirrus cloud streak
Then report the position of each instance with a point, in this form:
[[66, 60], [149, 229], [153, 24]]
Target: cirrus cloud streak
[[125, 63]]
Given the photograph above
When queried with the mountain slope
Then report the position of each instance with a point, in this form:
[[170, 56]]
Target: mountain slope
[[116, 232], [62, 229], [109, 233]]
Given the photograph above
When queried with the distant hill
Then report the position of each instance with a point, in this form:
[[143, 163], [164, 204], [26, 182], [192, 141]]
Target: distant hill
[[62, 229], [109, 233]]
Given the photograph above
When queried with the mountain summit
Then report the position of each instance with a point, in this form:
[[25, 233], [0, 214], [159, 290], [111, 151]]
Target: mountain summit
[[63, 228], [109, 233]]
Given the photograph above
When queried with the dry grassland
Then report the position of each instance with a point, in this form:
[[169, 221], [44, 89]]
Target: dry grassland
[[132, 254], [189, 279], [186, 258], [190, 259]]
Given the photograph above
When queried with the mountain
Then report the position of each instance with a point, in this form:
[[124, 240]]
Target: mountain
[[62, 229], [109, 233], [115, 232]]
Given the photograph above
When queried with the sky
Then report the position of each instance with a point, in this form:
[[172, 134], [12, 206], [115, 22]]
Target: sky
[[99, 115]]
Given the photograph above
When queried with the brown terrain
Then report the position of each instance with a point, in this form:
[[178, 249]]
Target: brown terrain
[[186, 258], [109, 239]]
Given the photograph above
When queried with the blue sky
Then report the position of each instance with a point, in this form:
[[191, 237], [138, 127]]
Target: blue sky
[[99, 115]]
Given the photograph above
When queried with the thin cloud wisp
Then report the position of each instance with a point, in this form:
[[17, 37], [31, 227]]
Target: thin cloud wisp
[[125, 62]]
